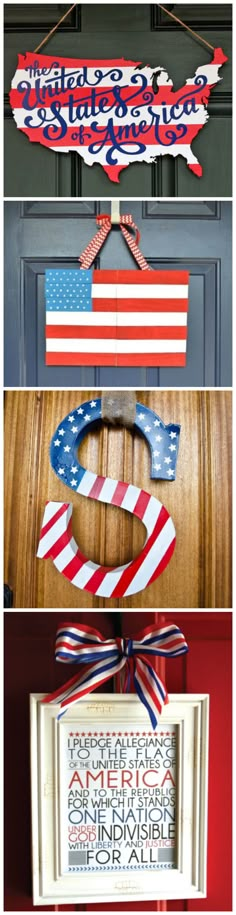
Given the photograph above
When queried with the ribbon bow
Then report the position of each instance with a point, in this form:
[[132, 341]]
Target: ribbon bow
[[104, 222], [106, 657]]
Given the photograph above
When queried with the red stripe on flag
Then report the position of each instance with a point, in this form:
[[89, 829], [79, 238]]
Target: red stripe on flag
[[115, 333], [142, 277], [125, 359]]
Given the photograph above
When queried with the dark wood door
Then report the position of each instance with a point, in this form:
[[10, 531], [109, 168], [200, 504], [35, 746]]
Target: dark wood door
[[189, 235], [141, 32], [30, 667]]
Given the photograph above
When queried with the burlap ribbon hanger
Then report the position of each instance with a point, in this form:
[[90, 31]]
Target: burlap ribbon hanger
[[119, 408]]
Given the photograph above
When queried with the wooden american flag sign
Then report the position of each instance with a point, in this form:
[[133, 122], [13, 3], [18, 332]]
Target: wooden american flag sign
[[116, 317], [56, 536]]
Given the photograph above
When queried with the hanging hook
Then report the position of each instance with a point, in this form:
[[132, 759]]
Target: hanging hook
[[115, 212]]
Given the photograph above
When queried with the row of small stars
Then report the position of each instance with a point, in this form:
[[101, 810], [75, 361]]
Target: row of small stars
[[122, 734]]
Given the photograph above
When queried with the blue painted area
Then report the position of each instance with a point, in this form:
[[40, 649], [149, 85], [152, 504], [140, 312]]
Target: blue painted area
[[163, 442], [68, 290]]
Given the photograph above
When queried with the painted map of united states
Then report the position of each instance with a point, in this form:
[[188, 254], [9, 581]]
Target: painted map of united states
[[112, 112]]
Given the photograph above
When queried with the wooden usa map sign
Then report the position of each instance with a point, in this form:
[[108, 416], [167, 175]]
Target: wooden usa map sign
[[112, 112]]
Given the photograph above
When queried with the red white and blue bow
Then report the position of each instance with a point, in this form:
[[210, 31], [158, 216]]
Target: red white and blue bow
[[106, 657]]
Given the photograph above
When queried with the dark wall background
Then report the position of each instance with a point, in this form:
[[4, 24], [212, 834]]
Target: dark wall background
[[141, 32]]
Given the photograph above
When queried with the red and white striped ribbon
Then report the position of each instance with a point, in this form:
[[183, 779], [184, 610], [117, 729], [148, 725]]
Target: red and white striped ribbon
[[104, 222]]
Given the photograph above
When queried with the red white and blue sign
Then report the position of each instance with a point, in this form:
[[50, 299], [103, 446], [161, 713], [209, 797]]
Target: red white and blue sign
[[112, 112], [56, 537]]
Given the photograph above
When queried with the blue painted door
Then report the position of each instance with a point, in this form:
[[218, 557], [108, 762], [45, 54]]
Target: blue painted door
[[189, 235]]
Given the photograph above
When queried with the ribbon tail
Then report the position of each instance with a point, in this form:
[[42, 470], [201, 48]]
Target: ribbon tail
[[150, 689]]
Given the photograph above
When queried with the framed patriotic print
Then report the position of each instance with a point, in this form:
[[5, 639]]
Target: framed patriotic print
[[113, 799]]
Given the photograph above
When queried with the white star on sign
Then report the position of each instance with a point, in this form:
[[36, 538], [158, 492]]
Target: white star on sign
[[167, 460], [93, 403], [57, 442], [74, 469], [157, 422], [141, 416], [61, 471], [74, 428], [172, 434], [158, 438], [67, 448], [73, 482], [87, 418], [172, 447], [147, 428], [157, 466], [80, 410], [71, 419], [61, 431], [156, 453], [170, 472]]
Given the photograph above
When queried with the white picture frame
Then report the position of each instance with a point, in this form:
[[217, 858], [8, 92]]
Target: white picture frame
[[188, 715]]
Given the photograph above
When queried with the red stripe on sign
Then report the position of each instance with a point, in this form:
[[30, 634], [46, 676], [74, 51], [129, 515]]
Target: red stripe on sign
[[149, 359], [96, 488], [80, 359], [164, 562], [74, 565], [96, 579], [140, 304], [75, 140], [119, 493], [60, 511], [111, 359], [142, 277], [60, 544], [129, 573], [141, 504], [119, 333], [44, 60]]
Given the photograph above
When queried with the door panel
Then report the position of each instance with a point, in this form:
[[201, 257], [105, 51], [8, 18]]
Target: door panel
[[199, 501], [30, 667], [192, 235], [143, 33]]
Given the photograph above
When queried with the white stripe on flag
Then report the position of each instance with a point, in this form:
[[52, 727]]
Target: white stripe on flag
[[136, 291], [75, 345], [117, 319]]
